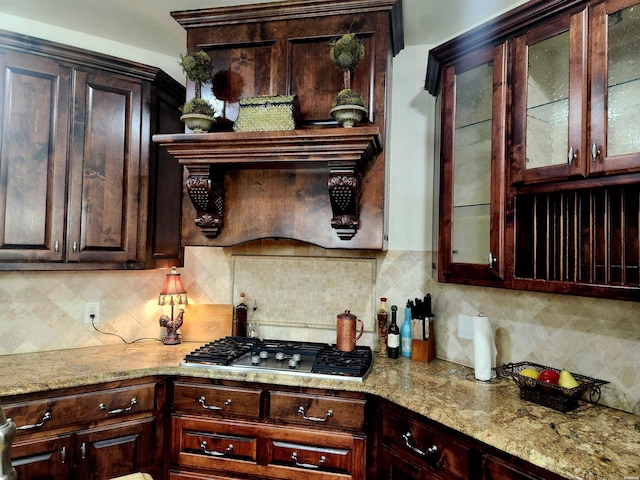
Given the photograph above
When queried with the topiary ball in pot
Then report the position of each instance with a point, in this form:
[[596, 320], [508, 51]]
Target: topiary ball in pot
[[347, 97], [347, 108], [198, 114]]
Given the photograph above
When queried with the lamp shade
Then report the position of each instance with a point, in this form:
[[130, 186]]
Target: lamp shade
[[173, 292]]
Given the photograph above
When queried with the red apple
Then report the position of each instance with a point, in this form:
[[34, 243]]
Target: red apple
[[549, 376]]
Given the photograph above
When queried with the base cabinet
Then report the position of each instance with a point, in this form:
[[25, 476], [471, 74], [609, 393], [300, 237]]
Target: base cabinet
[[88, 434], [288, 434], [411, 447], [43, 459]]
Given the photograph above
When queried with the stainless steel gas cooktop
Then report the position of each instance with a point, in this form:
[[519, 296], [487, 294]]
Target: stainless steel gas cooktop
[[308, 359]]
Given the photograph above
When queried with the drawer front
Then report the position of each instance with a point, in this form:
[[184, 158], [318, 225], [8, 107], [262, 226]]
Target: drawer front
[[216, 400], [317, 411], [212, 444], [195, 476], [310, 457], [62, 411], [436, 449], [314, 454]]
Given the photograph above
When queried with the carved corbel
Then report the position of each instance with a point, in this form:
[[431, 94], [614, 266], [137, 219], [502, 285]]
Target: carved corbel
[[205, 186], [344, 193]]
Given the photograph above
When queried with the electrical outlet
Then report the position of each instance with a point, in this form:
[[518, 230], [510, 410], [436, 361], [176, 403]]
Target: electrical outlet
[[465, 327], [92, 308]]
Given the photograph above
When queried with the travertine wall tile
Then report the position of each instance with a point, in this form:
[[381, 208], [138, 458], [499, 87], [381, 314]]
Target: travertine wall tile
[[599, 338]]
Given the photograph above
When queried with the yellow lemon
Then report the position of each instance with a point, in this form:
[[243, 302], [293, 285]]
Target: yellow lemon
[[530, 372]]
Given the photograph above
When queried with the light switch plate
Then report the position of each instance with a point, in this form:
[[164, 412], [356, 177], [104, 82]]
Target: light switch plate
[[465, 327]]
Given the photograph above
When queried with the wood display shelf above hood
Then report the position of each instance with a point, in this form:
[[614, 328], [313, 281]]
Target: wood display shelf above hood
[[343, 152]]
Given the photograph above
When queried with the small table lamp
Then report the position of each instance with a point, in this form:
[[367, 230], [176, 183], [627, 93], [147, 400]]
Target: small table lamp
[[172, 294]]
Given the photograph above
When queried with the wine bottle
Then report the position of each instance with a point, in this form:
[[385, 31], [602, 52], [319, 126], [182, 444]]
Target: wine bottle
[[393, 339], [383, 326], [240, 323], [405, 333]]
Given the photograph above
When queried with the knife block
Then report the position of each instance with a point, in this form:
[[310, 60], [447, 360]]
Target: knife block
[[424, 350]]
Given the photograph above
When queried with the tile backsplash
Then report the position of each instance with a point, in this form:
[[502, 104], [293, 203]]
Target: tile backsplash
[[595, 337]]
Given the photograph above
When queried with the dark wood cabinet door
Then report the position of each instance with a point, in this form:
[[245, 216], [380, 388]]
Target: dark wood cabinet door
[[394, 466], [164, 221], [105, 168], [494, 468], [43, 459], [549, 89], [112, 451], [34, 124], [472, 169], [615, 87]]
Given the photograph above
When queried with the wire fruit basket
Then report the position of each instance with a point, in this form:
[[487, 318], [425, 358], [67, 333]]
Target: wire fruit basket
[[548, 394]]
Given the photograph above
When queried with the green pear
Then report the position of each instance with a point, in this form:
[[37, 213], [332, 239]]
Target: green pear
[[566, 380]]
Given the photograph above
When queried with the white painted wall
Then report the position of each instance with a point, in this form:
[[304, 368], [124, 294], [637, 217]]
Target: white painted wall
[[96, 44], [411, 153]]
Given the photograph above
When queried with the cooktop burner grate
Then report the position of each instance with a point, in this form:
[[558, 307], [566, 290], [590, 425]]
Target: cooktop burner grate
[[333, 362], [318, 359]]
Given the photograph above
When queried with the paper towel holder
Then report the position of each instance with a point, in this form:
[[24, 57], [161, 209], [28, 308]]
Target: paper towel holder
[[492, 381]]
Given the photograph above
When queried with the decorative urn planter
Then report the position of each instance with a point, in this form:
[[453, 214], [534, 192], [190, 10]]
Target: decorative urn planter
[[198, 122], [348, 115]]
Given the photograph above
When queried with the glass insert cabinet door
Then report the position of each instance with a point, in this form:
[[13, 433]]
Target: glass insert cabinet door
[[472, 167], [549, 101], [615, 91]]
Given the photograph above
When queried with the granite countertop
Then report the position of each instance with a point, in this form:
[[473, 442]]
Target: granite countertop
[[591, 443]]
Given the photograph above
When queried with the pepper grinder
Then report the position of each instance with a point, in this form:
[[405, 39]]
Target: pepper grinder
[[7, 432]]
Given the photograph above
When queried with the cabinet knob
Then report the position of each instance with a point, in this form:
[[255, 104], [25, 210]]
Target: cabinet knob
[[572, 156], [56, 246], [63, 454], [74, 247]]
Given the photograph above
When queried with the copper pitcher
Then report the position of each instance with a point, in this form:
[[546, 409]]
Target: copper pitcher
[[346, 331]]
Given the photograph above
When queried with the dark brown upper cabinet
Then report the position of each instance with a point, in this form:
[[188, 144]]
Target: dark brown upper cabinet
[[576, 84], [296, 188], [77, 157], [561, 204]]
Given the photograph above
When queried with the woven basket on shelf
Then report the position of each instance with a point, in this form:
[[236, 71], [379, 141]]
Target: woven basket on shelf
[[267, 112]]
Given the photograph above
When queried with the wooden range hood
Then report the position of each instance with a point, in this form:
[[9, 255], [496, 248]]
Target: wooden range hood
[[320, 183], [344, 152]]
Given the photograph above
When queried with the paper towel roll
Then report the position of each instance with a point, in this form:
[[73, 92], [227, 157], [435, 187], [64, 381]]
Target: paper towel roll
[[484, 348]]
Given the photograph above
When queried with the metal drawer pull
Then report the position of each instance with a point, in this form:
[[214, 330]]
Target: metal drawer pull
[[56, 246], [63, 454], [74, 247], [572, 156], [294, 457], [134, 401], [595, 152], [315, 419], [432, 450], [83, 450], [203, 400], [203, 446], [45, 417]]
